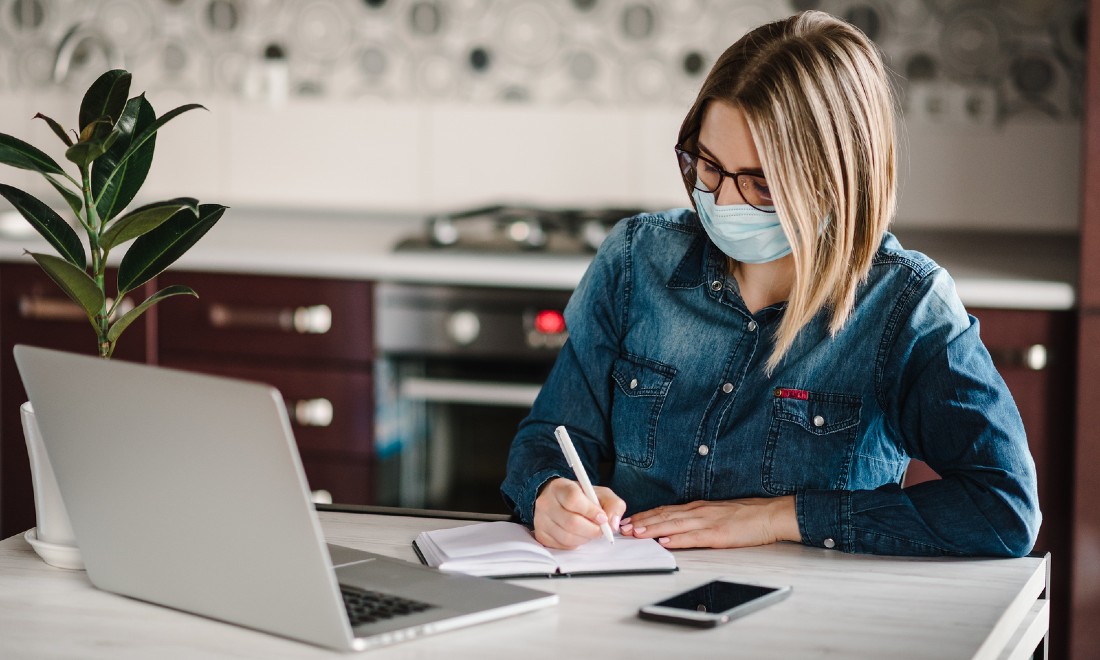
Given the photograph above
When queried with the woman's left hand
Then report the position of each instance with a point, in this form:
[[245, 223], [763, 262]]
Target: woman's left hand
[[725, 524]]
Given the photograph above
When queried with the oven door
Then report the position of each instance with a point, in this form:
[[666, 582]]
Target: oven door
[[443, 433]]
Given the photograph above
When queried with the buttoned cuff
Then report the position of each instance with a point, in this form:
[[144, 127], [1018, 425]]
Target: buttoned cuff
[[824, 518], [526, 509]]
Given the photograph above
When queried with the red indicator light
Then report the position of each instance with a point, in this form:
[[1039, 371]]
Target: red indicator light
[[550, 322]]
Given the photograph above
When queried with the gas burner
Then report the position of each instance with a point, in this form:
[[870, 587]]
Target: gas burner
[[517, 229]]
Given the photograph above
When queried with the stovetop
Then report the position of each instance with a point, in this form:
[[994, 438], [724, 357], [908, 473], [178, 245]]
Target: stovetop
[[512, 229]]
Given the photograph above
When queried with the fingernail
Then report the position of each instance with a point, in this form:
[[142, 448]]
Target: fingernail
[[639, 530], [663, 540], [626, 520], [602, 518], [625, 528], [615, 523]]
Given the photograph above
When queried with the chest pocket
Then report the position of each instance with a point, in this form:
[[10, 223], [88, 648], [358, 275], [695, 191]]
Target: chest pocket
[[811, 441], [639, 388]]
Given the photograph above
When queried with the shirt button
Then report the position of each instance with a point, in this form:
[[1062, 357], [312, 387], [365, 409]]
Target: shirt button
[[829, 543], [819, 421], [751, 326], [716, 285], [633, 383], [704, 450], [727, 388]]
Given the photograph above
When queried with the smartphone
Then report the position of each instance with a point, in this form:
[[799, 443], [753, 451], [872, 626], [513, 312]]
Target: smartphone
[[713, 603]]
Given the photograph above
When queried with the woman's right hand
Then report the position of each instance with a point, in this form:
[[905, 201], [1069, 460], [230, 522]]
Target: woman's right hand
[[565, 518]]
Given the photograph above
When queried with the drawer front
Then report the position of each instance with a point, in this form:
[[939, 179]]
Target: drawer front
[[329, 409], [268, 317], [36, 312]]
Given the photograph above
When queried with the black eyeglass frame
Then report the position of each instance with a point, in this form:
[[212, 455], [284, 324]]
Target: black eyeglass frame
[[722, 175]]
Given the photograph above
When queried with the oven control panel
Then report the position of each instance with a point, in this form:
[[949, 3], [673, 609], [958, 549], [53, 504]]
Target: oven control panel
[[418, 319]]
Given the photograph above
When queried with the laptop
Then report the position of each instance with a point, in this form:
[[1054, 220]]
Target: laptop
[[187, 491]]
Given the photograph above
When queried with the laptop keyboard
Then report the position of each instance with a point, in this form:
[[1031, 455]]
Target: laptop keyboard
[[365, 606]]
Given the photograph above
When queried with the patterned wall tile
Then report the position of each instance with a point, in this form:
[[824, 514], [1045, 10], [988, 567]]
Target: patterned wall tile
[[956, 60]]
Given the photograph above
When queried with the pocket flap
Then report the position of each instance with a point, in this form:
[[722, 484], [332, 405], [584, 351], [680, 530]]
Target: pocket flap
[[641, 377], [817, 412]]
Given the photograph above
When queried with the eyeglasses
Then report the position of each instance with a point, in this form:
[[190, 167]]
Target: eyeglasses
[[706, 175]]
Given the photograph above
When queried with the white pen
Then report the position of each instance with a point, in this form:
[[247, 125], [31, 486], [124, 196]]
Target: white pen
[[571, 457]]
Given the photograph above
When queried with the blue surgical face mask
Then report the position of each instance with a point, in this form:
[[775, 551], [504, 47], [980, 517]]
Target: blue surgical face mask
[[742, 232]]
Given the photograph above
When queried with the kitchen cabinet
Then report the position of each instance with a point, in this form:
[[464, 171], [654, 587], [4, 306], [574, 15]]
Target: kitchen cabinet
[[1035, 353], [1085, 636], [34, 311], [308, 337]]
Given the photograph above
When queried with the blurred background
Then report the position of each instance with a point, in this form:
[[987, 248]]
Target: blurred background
[[357, 141]]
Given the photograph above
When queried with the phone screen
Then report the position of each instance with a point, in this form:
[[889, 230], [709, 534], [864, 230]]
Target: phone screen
[[715, 597]]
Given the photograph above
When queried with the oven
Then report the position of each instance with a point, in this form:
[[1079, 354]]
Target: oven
[[460, 366], [459, 369]]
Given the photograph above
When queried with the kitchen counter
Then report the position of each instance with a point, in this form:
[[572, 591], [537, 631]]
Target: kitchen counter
[[991, 270]]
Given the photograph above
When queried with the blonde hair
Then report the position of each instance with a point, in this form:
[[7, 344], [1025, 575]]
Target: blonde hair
[[820, 108]]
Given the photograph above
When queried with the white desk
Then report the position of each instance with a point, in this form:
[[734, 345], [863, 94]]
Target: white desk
[[843, 606]]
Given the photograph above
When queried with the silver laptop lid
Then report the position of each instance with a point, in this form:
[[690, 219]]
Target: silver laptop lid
[[186, 490]]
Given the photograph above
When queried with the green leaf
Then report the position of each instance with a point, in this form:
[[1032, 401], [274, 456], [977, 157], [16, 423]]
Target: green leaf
[[145, 219], [146, 135], [83, 153], [57, 128], [75, 201], [129, 317], [106, 97], [48, 223], [75, 282], [160, 248], [112, 197], [18, 153]]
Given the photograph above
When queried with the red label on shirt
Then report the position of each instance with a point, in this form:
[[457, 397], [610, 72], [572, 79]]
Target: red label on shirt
[[789, 393]]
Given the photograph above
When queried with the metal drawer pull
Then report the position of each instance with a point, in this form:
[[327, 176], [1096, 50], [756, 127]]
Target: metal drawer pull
[[468, 391], [35, 308], [1034, 357], [312, 320], [313, 412]]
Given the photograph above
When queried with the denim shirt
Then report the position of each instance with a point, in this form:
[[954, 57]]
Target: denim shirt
[[662, 381]]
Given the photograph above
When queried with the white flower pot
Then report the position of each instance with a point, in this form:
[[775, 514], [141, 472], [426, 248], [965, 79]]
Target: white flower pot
[[53, 538]]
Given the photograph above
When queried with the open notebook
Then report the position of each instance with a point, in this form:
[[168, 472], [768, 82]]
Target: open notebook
[[505, 549]]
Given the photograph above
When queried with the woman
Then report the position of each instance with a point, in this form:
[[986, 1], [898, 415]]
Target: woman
[[762, 368]]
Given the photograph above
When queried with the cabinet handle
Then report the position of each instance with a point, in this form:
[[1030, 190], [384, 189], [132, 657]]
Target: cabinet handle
[[37, 308], [1034, 357], [313, 412], [312, 320]]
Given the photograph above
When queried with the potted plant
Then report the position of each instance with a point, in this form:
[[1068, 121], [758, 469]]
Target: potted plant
[[112, 150]]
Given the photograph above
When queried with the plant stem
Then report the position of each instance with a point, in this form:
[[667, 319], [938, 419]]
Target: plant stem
[[95, 228]]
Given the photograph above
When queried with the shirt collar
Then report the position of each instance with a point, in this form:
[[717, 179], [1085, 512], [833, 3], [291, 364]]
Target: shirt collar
[[703, 263]]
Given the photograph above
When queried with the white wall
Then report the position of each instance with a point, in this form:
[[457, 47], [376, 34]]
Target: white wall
[[1014, 177], [419, 156]]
